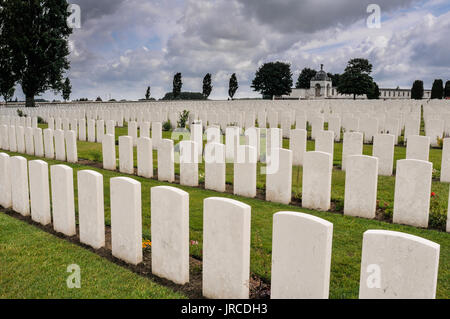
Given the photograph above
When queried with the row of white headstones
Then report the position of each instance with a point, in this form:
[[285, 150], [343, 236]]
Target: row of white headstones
[[393, 264], [412, 190]]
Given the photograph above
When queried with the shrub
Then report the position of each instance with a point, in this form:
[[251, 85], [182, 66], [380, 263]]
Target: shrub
[[40, 120], [184, 117], [438, 213], [167, 126]]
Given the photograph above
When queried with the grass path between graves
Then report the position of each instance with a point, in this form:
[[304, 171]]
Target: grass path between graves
[[347, 238], [33, 264]]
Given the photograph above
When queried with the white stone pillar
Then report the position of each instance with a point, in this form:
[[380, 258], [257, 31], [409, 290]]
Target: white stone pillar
[[301, 256], [39, 192], [126, 219], [91, 208], [170, 233], [63, 199], [226, 249]]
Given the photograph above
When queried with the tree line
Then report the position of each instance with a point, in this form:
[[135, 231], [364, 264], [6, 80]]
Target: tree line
[[34, 47]]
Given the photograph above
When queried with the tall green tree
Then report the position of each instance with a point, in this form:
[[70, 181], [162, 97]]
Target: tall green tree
[[334, 78], [8, 78], [356, 79], [437, 91], [374, 93], [447, 89], [37, 33], [66, 89], [147, 93], [304, 79], [233, 86], [273, 79], [207, 86], [417, 90], [177, 84]]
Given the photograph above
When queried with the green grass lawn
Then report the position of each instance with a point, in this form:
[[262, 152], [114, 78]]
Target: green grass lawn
[[347, 239], [34, 265]]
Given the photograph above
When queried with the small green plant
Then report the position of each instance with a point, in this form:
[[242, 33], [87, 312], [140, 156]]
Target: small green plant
[[167, 126], [183, 119], [20, 113], [438, 213], [96, 156]]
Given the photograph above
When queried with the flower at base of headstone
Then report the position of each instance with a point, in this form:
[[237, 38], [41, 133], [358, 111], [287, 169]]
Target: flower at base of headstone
[[146, 244], [194, 243]]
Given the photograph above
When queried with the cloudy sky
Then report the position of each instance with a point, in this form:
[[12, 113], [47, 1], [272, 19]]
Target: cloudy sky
[[125, 45]]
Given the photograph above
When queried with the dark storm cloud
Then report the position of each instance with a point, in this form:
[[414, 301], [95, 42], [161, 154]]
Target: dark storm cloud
[[92, 9], [289, 16]]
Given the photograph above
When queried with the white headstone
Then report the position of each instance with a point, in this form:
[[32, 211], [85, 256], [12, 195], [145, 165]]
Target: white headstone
[[170, 233], [126, 219], [226, 249], [398, 266], [63, 199], [316, 185], [19, 185], [412, 192], [39, 192], [301, 256]]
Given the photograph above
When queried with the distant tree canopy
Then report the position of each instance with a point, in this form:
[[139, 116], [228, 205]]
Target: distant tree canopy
[[447, 89], [334, 78], [417, 90], [207, 86], [356, 79], [374, 93], [98, 99], [273, 79], [66, 89], [233, 86], [304, 79], [36, 33], [437, 91], [177, 84], [184, 96], [8, 77]]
